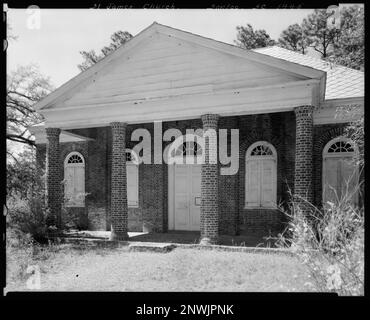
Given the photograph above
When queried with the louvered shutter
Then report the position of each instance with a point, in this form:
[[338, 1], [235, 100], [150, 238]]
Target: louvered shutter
[[267, 182], [68, 184], [253, 183], [348, 178], [331, 183], [79, 185], [132, 185]]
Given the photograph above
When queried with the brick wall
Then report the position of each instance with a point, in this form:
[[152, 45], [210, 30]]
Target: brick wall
[[228, 188], [279, 130], [93, 215], [152, 213]]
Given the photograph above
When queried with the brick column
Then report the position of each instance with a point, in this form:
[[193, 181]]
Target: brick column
[[209, 184], [53, 178], [303, 187], [118, 183]]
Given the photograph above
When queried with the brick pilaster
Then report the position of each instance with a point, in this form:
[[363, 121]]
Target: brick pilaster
[[119, 209], [209, 183], [53, 178], [303, 187]]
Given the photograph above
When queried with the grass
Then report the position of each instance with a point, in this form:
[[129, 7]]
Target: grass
[[68, 268]]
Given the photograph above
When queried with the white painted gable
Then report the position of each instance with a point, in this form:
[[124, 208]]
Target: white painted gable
[[166, 67], [167, 74]]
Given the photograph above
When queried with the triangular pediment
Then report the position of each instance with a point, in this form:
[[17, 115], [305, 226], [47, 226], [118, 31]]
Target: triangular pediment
[[162, 63]]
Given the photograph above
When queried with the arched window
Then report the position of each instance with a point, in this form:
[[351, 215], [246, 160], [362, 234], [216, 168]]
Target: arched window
[[260, 175], [340, 174], [132, 175], [189, 148], [74, 180]]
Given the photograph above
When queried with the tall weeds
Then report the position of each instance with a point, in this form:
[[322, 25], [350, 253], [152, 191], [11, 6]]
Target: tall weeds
[[330, 242]]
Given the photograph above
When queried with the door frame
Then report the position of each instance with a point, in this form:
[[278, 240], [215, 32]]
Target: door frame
[[340, 155], [171, 195]]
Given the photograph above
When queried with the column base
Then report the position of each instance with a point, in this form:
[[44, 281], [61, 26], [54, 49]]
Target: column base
[[118, 236], [205, 241]]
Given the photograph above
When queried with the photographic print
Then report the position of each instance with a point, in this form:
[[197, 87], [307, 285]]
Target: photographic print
[[158, 149]]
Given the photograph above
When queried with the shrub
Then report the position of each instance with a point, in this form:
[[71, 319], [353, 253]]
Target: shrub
[[22, 251], [28, 217], [330, 242], [19, 252], [27, 212]]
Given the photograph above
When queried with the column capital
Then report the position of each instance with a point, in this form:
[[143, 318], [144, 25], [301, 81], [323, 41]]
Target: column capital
[[118, 125], [302, 111], [52, 132], [210, 120]]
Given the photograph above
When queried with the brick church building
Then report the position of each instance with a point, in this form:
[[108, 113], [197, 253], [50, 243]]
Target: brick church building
[[283, 104]]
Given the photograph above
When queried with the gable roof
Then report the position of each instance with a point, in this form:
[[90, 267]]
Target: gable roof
[[82, 79], [342, 82]]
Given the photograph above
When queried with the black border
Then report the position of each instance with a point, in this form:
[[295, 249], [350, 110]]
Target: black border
[[243, 301]]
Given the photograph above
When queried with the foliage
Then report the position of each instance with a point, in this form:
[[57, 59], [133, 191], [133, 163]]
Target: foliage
[[343, 45], [330, 242], [22, 251], [355, 130], [25, 86], [247, 38], [292, 38], [27, 212], [118, 38], [22, 181], [317, 34], [19, 252], [349, 48]]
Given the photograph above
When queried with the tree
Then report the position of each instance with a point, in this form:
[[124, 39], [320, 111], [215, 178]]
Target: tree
[[355, 131], [21, 178], [293, 38], [25, 86], [247, 38], [317, 34], [91, 57], [349, 49]]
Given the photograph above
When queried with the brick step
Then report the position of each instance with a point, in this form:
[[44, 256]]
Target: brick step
[[93, 242], [151, 246]]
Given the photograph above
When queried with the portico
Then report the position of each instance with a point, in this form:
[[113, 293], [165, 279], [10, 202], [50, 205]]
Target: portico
[[186, 82]]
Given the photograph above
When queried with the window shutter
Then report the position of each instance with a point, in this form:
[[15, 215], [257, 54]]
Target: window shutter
[[348, 178], [74, 176], [79, 184], [253, 183], [132, 185], [267, 182], [331, 180], [68, 184]]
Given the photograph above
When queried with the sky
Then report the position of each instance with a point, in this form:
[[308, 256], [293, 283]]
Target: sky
[[63, 33]]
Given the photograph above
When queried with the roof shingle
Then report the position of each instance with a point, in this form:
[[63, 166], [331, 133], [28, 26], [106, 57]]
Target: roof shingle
[[341, 82]]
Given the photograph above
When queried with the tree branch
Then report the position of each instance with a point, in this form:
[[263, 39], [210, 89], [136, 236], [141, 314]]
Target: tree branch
[[22, 95], [20, 139]]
